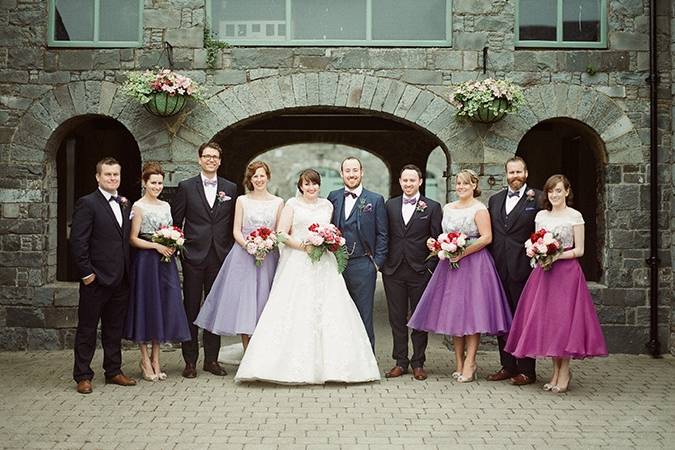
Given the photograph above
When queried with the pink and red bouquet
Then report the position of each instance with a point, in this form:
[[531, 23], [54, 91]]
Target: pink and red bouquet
[[169, 236], [448, 246], [327, 237], [542, 247], [260, 242]]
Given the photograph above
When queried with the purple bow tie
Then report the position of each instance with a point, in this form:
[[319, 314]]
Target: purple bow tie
[[409, 201], [350, 194], [213, 183]]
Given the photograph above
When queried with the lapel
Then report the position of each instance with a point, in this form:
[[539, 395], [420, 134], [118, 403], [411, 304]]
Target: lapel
[[106, 206]]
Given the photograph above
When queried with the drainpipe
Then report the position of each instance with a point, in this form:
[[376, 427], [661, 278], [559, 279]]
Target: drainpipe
[[653, 345]]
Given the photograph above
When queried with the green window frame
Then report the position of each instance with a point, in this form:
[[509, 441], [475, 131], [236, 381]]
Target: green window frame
[[368, 42], [95, 42], [559, 42]]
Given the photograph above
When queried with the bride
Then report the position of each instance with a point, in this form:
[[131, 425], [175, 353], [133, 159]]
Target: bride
[[310, 331]]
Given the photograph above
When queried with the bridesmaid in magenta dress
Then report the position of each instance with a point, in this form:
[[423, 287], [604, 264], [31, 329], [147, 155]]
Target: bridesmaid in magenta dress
[[555, 316]]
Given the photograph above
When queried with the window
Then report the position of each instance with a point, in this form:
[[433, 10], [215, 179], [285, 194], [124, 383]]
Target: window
[[95, 23], [329, 22], [561, 23]]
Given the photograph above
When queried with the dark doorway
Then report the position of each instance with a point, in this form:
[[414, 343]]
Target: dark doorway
[[86, 141], [571, 148]]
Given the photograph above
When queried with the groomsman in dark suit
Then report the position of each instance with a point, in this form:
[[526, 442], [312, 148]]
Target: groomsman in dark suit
[[512, 213], [413, 219], [204, 208], [99, 241], [361, 217]]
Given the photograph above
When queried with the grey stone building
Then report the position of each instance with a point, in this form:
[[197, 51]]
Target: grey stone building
[[311, 77]]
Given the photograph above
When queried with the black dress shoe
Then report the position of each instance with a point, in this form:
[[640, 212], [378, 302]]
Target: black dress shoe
[[190, 371], [215, 368]]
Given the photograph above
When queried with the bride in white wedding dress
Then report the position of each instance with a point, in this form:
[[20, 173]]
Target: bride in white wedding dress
[[310, 331]]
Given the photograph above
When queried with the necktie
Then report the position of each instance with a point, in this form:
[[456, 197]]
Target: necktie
[[350, 194], [409, 201], [514, 194], [213, 183]]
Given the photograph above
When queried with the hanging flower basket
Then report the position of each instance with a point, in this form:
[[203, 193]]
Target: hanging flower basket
[[162, 93], [486, 101]]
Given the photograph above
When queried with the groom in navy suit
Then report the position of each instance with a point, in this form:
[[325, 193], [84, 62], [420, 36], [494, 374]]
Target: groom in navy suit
[[362, 218]]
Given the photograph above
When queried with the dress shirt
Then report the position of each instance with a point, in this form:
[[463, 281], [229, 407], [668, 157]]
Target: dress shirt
[[408, 209], [350, 201], [511, 202], [115, 206], [210, 191]]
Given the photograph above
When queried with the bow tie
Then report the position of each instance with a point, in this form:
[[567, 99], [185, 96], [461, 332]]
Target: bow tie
[[350, 194], [213, 183], [409, 201], [514, 194]]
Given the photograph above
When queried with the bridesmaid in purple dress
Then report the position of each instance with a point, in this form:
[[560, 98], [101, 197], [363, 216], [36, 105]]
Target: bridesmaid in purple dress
[[555, 316], [156, 312], [241, 289], [469, 300]]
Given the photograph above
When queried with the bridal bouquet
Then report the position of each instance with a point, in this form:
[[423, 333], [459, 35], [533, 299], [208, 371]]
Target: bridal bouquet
[[260, 242], [542, 248], [323, 238], [448, 246], [169, 236]]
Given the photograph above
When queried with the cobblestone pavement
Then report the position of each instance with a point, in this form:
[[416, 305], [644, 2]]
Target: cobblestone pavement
[[621, 401]]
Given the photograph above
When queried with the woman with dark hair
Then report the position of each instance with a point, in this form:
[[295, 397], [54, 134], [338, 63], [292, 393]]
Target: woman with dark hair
[[156, 312], [555, 316], [310, 331], [240, 290]]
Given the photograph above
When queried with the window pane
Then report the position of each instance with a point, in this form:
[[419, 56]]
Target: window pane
[[249, 19], [328, 19], [118, 20], [74, 20], [537, 20], [581, 20], [408, 20]]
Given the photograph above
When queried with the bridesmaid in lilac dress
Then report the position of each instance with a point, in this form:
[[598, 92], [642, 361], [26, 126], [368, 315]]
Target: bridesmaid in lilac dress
[[240, 290], [469, 300], [555, 316]]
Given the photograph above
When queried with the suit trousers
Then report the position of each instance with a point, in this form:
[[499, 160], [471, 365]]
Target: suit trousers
[[403, 289], [360, 277], [197, 282], [108, 305], [510, 363]]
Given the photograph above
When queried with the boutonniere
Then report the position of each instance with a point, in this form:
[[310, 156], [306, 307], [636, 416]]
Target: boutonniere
[[421, 206], [365, 207], [530, 195], [223, 197]]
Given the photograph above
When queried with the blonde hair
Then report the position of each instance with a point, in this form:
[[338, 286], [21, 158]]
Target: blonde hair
[[469, 176]]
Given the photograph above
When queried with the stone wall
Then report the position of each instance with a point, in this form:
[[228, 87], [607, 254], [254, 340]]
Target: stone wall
[[42, 89]]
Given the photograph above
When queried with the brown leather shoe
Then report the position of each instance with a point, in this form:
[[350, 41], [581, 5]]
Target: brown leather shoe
[[84, 387], [501, 375], [215, 368], [121, 380], [521, 380], [190, 371], [419, 373], [395, 372]]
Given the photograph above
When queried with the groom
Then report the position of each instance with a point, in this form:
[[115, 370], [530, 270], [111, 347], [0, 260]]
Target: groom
[[204, 208], [413, 219], [512, 213], [361, 216]]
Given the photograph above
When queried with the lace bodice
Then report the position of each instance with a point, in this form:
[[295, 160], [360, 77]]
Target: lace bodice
[[154, 216], [562, 225], [305, 214], [462, 220], [259, 213]]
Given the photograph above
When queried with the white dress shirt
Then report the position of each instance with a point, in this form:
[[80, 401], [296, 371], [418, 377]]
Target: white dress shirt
[[115, 206], [407, 210], [511, 202], [350, 202], [210, 191]]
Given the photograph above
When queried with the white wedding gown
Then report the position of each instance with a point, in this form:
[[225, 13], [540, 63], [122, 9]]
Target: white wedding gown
[[310, 331]]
